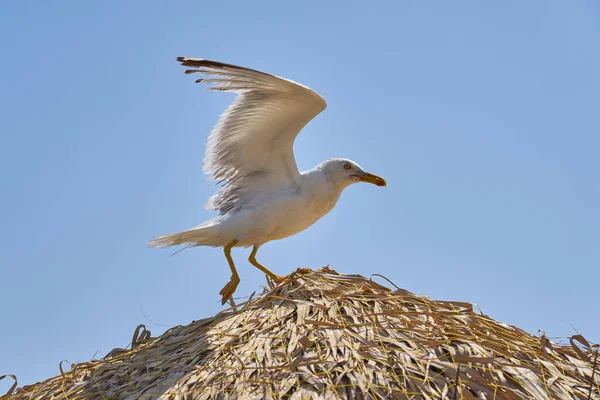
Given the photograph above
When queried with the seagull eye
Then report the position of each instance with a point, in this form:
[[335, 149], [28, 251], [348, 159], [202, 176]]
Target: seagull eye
[[347, 166]]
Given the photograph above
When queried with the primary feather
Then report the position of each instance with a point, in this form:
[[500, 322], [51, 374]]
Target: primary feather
[[250, 149]]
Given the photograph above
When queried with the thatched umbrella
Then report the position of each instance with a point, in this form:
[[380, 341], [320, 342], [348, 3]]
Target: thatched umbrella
[[322, 335]]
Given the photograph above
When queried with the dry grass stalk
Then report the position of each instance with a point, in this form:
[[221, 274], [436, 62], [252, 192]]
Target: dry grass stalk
[[322, 335]]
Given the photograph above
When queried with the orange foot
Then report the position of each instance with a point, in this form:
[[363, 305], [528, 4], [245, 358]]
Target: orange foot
[[274, 281], [229, 289]]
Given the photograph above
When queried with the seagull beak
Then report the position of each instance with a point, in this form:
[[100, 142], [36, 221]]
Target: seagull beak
[[374, 179]]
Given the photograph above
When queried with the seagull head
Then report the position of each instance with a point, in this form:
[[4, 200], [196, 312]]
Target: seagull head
[[345, 172]]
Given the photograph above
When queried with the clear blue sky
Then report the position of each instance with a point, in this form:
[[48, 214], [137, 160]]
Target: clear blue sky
[[484, 119]]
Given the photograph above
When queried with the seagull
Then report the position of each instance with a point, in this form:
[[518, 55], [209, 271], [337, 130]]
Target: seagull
[[262, 195]]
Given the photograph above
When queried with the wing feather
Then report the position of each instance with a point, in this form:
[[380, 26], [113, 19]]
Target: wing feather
[[250, 149]]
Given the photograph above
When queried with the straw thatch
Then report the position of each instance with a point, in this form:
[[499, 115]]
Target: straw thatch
[[325, 335]]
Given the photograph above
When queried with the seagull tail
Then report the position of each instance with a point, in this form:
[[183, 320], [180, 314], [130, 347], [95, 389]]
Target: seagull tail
[[203, 235]]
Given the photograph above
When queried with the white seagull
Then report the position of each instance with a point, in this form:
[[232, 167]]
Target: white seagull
[[263, 196]]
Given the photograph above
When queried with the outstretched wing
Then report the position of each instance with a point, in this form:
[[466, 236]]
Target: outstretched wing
[[250, 149]]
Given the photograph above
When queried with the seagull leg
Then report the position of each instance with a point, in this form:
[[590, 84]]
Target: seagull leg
[[229, 289], [275, 278]]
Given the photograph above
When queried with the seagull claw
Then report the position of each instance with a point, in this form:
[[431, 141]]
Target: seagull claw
[[229, 289], [270, 282], [275, 280]]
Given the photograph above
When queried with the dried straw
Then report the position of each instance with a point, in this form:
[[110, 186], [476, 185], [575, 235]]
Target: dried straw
[[322, 335]]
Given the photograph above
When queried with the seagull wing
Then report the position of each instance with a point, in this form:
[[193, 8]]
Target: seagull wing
[[250, 149]]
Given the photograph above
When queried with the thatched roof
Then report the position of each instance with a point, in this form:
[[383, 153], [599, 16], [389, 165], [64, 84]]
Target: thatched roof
[[325, 335]]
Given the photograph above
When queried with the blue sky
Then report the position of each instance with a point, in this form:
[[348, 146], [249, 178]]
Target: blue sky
[[482, 117]]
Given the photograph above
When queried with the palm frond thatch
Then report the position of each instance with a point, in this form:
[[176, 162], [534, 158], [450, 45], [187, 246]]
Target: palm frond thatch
[[323, 335]]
